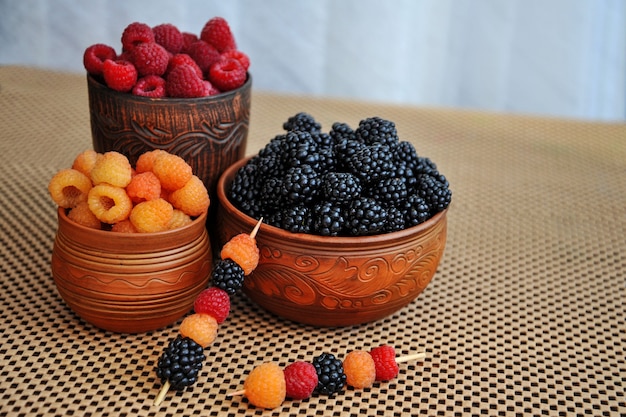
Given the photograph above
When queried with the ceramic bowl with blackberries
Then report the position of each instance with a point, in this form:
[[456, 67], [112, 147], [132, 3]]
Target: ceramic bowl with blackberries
[[354, 220]]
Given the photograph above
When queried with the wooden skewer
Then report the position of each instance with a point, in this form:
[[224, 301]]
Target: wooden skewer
[[256, 228], [236, 393], [161, 396], [412, 357]]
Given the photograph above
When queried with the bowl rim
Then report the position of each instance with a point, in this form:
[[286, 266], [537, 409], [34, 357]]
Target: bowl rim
[[62, 216], [224, 203], [96, 83]]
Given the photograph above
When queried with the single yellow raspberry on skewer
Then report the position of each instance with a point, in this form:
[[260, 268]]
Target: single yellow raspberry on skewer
[[265, 386]]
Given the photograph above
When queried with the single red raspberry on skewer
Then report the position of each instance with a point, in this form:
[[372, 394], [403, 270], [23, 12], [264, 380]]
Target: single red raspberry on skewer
[[300, 380], [213, 301], [385, 362]]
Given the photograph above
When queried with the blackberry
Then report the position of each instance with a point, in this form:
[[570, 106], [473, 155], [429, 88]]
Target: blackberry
[[328, 219], [341, 131], [270, 165], [302, 122], [375, 130], [434, 191], [244, 191], [300, 184], [405, 153], [272, 147], [180, 363], [395, 219], [270, 195], [344, 150], [341, 187], [330, 375], [372, 163], [327, 159], [323, 140], [366, 216], [416, 210], [297, 219], [390, 191], [228, 276], [425, 166], [405, 173], [299, 148]]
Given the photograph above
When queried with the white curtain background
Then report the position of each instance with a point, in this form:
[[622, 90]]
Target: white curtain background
[[557, 58]]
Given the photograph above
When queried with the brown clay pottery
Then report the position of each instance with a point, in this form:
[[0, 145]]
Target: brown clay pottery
[[130, 282], [210, 133], [334, 281]]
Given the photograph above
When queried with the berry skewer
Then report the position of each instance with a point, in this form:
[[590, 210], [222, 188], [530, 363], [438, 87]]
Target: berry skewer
[[267, 385], [182, 360]]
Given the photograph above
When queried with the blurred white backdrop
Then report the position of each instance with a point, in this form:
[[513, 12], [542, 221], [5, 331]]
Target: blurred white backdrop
[[563, 58]]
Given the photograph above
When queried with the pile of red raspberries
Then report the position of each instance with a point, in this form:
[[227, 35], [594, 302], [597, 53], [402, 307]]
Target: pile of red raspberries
[[162, 61]]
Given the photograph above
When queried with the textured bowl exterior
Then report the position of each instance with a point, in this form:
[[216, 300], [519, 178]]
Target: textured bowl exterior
[[210, 133], [130, 283], [334, 281]]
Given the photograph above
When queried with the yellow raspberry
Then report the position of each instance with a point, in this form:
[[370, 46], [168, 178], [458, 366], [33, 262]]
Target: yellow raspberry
[[243, 250], [360, 369], [145, 162], [125, 226], [179, 219], [192, 198], [69, 187], [172, 170], [201, 328], [265, 386], [85, 161], [112, 168], [83, 215], [109, 204], [152, 216], [144, 186]]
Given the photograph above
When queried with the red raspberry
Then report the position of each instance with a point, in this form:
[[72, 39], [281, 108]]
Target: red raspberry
[[209, 89], [243, 59], [169, 37], [217, 32], [188, 39], [135, 34], [204, 54], [300, 380], [119, 75], [214, 302], [95, 55], [183, 81], [227, 74], [183, 59], [385, 361], [150, 58], [150, 86]]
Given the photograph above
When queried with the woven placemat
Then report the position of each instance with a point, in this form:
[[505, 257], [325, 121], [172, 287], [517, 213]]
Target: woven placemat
[[525, 315]]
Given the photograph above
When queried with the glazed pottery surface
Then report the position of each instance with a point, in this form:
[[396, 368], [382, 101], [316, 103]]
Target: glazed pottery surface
[[334, 281], [130, 282], [210, 133]]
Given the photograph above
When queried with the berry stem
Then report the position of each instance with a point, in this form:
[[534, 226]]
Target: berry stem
[[159, 399], [412, 357], [256, 228], [237, 393]]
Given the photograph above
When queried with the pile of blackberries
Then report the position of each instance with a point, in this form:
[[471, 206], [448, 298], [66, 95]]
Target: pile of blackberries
[[347, 182]]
